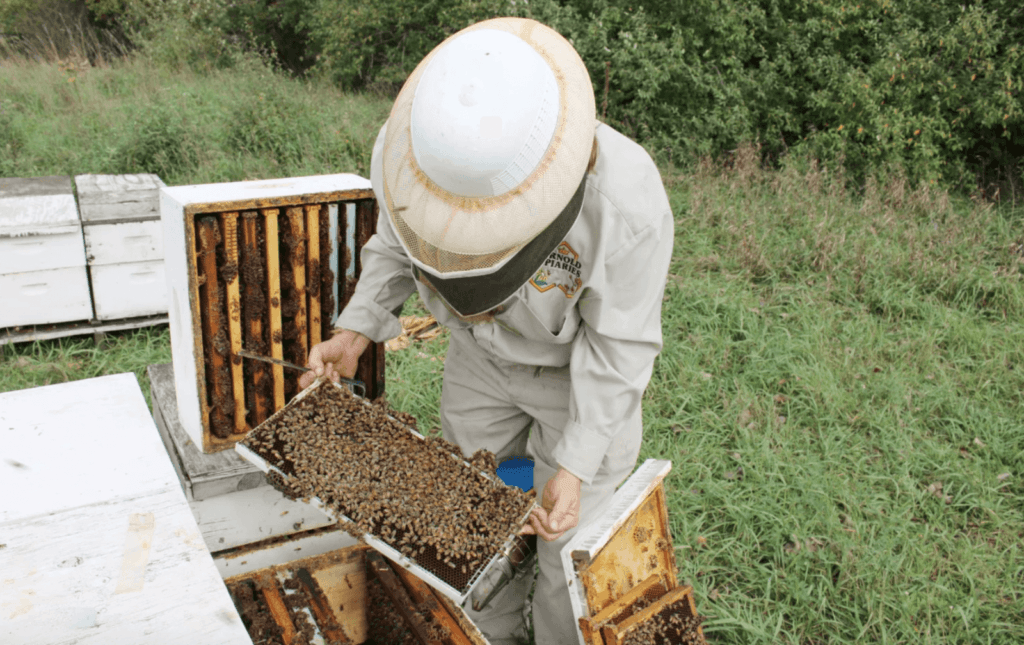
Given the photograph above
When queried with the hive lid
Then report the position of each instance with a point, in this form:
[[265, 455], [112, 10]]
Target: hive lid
[[625, 546], [105, 198], [267, 193], [37, 206]]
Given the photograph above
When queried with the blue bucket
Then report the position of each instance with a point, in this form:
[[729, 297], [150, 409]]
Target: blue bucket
[[516, 471]]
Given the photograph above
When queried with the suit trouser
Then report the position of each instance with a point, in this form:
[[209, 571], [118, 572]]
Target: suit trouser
[[522, 410]]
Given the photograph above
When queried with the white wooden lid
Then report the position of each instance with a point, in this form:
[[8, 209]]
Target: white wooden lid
[[37, 206], [118, 197]]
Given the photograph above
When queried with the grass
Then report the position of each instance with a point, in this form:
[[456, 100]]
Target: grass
[[225, 125], [839, 391]]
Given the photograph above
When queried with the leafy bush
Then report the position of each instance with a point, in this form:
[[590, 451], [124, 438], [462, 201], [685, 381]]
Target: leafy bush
[[926, 91], [160, 142]]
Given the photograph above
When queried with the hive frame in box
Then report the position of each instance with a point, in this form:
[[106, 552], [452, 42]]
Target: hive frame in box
[[459, 597], [642, 491], [347, 198]]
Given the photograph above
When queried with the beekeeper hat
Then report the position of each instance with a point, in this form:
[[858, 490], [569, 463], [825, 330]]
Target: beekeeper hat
[[485, 156]]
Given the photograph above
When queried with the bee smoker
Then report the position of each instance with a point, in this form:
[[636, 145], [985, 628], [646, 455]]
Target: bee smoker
[[520, 555]]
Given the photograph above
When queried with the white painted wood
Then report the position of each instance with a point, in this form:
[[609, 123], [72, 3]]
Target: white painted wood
[[249, 516], [43, 297], [249, 560], [40, 252], [37, 206], [78, 443], [183, 354], [99, 544], [60, 574], [121, 242], [174, 201], [129, 290], [114, 197], [265, 188]]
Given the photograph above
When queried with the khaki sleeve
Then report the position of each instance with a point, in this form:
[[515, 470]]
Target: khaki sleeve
[[613, 353]]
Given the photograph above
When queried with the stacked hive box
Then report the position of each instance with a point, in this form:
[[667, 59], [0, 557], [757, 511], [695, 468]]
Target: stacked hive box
[[124, 244], [42, 258]]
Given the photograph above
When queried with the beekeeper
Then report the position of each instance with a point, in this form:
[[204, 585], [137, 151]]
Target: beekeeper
[[542, 240]]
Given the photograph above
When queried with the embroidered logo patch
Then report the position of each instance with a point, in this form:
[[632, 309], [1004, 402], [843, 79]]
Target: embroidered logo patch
[[562, 269]]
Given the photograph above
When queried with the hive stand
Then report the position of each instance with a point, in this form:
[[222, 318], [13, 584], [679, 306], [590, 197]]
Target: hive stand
[[98, 545], [244, 521]]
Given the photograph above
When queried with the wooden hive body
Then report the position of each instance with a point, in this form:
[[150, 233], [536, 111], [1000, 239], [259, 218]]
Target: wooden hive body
[[333, 597], [624, 556], [245, 270]]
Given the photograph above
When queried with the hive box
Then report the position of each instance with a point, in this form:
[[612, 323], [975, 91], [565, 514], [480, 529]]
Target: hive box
[[262, 266], [624, 557], [42, 259], [124, 244]]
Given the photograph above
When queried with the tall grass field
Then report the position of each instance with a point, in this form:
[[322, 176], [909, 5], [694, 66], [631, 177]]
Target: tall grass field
[[840, 390]]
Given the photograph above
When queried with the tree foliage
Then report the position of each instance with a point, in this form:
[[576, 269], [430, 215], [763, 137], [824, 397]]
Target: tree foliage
[[929, 89]]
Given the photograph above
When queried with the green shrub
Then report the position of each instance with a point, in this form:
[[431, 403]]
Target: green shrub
[[160, 141], [926, 91]]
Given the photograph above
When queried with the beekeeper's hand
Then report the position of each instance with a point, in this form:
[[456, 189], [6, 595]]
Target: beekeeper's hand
[[560, 507], [337, 357]]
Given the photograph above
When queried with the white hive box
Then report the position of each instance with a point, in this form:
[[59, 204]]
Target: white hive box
[[124, 244], [264, 266], [42, 259]]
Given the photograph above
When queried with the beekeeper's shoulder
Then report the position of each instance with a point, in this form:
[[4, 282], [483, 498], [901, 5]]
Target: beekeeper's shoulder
[[628, 181]]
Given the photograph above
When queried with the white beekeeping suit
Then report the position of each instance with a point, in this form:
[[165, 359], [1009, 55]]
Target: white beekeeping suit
[[547, 264]]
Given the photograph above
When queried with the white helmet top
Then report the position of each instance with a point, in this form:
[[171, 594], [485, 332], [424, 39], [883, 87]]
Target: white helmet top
[[486, 146]]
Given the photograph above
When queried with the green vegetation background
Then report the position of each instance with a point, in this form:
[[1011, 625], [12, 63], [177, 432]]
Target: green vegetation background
[[840, 388]]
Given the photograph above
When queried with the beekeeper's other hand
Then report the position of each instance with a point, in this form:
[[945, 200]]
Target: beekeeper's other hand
[[337, 357], [560, 507]]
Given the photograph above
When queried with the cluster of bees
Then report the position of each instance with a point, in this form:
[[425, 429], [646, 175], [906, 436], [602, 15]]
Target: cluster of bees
[[668, 627], [417, 495]]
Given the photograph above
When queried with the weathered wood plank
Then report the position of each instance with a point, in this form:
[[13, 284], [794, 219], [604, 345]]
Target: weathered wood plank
[[98, 548]]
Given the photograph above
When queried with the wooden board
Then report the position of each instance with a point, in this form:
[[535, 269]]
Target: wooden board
[[99, 548], [119, 242], [44, 297], [38, 205], [203, 475], [53, 456], [40, 252], [118, 197], [32, 333], [129, 290]]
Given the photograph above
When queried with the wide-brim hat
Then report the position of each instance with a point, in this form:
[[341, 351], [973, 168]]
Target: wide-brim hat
[[484, 158]]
